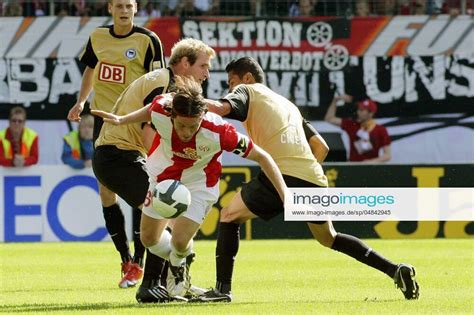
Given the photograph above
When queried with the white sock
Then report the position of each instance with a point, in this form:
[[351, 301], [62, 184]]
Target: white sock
[[176, 257], [163, 247]]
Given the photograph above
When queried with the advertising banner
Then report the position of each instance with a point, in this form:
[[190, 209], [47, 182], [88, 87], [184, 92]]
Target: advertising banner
[[56, 203], [410, 65]]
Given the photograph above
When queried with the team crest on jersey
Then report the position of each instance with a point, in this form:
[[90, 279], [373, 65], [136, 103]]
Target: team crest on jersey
[[130, 53], [188, 153]]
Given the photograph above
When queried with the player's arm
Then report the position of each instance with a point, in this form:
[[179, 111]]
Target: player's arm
[[318, 145], [221, 108], [270, 169], [241, 145], [89, 58], [141, 115], [234, 105], [84, 92]]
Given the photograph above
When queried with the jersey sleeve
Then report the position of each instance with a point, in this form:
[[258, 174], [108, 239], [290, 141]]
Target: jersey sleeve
[[385, 138], [309, 130], [154, 58], [235, 142], [158, 105], [239, 103], [88, 56]]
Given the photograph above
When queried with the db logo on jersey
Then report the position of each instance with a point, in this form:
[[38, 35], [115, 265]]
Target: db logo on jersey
[[112, 73]]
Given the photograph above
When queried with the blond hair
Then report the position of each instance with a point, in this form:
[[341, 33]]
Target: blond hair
[[190, 48]]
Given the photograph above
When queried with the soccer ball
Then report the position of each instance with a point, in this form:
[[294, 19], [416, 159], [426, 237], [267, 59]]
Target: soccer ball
[[170, 198]]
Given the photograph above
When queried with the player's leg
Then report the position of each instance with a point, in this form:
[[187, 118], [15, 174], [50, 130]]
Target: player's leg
[[228, 238], [326, 235], [139, 249], [183, 230], [115, 224], [257, 198], [181, 256], [157, 239], [131, 184]]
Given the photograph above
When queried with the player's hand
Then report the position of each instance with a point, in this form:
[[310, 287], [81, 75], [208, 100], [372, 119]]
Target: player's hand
[[344, 97], [75, 112], [108, 117]]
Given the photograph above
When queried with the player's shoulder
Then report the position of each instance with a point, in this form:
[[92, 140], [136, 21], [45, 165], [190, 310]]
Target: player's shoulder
[[145, 32], [160, 74], [100, 30], [215, 123]]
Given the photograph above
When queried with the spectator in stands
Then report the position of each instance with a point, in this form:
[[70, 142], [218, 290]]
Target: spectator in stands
[[203, 5], [18, 144], [412, 7], [333, 8], [384, 7], [99, 8], [453, 7], [150, 10], [302, 8], [61, 8], [35, 7], [13, 9], [362, 8], [78, 147], [366, 137], [276, 8], [187, 8], [237, 8], [80, 8], [419, 7], [434, 6]]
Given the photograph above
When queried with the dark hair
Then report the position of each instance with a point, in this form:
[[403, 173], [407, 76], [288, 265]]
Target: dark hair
[[17, 110], [188, 100], [244, 65]]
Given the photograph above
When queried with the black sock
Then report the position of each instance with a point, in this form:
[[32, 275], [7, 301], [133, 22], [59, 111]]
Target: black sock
[[355, 248], [115, 224], [154, 266], [227, 247], [137, 243]]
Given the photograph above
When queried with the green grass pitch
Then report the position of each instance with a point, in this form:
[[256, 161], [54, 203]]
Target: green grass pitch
[[271, 277]]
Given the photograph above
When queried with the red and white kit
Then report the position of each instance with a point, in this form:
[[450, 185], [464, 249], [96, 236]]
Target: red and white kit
[[196, 163]]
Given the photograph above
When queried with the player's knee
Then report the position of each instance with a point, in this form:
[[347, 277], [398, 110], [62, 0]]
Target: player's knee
[[148, 239], [106, 196], [180, 242], [325, 239], [228, 216]]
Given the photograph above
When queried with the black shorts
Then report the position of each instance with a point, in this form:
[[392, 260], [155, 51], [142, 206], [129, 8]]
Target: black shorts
[[263, 200], [121, 171], [98, 122]]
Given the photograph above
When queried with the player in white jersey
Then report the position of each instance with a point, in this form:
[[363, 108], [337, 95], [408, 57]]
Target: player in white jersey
[[188, 147]]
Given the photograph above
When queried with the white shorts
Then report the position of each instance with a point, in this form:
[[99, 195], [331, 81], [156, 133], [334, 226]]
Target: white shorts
[[201, 203]]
